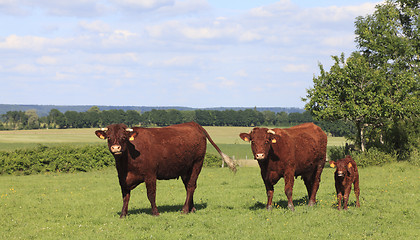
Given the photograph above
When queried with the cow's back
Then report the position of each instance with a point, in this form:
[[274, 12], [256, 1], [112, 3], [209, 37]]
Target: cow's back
[[170, 151], [307, 145]]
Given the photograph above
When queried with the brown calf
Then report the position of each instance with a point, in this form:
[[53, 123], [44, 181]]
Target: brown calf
[[345, 175]]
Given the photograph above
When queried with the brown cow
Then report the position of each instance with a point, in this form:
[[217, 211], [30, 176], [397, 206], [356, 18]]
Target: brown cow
[[345, 175], [288, 153], [147, 154]]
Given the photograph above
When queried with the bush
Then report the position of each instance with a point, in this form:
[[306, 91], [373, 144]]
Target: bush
[[414, 157], [55, 159], [211, 160], [373, 157], [334, 153]]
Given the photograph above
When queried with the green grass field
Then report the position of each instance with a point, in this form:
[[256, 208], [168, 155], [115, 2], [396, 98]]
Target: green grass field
[[230, 206]]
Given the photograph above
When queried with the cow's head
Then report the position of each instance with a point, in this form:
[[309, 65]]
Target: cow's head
[[343, 167], [118, 136], [261, 140]]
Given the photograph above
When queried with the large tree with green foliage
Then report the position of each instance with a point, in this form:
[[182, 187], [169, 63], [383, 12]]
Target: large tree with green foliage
[[378, 85]]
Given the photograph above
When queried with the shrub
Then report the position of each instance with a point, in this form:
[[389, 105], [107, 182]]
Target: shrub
[[335, 152], [55, 159], [373, 157], [211, 160]]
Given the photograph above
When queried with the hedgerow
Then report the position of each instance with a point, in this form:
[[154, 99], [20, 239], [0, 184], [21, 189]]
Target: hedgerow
[[65, 158]]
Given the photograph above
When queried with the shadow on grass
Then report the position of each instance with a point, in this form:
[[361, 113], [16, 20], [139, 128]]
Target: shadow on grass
[[164, 209], [280, 204]]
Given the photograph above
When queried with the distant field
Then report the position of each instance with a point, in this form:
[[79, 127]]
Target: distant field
[[226, 137]]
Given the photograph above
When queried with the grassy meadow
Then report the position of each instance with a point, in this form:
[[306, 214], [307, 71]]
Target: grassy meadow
[[86, 205], [229, 206]]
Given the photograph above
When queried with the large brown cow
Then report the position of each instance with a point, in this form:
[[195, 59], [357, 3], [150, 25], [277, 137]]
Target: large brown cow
[[345, 175], [288, 153], [147, 154]]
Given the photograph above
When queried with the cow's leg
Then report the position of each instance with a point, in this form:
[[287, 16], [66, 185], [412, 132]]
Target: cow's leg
[[189, 198], [315, 184], [357, 191], [346, 195], [288, 189], [151, 194], [339, 199], [126, 199], [190, 183], [270, 192], [308, 183]]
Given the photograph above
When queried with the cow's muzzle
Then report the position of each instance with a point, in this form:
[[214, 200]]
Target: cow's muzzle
[[116, 149], [340, 174], [260, 156]]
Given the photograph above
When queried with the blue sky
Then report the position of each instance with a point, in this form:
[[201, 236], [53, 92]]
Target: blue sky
[[193, 53]]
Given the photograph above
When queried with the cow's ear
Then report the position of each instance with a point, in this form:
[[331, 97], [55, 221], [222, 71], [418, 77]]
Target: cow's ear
[[349, 165], [273, 139], [132, 135], [245, 137], [101, 134], [332, 164]]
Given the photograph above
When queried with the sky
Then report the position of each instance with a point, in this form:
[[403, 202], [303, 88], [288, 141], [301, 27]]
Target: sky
[[191, 53]]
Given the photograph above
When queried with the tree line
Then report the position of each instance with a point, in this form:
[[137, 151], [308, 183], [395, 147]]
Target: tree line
[[94, 118]]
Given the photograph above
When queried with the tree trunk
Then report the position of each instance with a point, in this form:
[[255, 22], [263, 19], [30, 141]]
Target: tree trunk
[[360, 139]]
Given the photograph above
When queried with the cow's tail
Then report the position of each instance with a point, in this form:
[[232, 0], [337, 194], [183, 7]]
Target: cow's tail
[[229, 161]]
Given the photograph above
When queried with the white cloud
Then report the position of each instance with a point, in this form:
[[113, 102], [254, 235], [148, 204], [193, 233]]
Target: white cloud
[[34, 43], [95, 26], [295, 68], [142, 5], [46, 60], [339, 41], [25, 69], [199, 86], [242, 73], [223, 82]]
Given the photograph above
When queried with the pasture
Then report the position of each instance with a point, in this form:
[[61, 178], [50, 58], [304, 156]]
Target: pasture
[[229, 206]]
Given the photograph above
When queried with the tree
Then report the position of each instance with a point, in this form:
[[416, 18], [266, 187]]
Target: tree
[[390, 41], [15, 119], [56, 119], [380, 84], [269, 118], [33, 119], [132, 118], [351, 91]]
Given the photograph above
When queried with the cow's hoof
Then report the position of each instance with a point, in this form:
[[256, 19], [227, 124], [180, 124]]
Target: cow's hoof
[[291, 207], [311, 203], [269, 208]]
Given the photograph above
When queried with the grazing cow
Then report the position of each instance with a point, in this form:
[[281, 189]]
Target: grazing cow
[[345, 175], [288, 153], [147, 154]]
